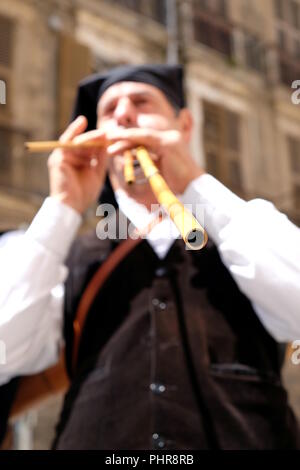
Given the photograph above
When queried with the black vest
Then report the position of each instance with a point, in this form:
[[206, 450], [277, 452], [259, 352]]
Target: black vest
[[172, 356], [7, 395]]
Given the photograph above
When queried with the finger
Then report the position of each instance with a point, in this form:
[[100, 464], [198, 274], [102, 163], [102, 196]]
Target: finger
[[93, 162], [76, 127], [80, 156], [71, 160], [131, 132], [57, 158], [91, 159], [119, 147], [87, 153], [137, 136], [91, 136], [154, 156]]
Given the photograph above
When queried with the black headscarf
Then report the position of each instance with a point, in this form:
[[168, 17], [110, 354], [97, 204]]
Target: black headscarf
[[167, 78]]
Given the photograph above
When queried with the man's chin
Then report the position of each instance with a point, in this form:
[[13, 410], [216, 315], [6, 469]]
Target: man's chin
[[142, 193], [140, 188]]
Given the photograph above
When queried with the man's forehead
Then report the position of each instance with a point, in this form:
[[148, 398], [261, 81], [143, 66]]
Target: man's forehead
[[121, 89]]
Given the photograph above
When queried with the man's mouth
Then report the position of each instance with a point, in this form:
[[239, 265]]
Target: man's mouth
[[138, 173]]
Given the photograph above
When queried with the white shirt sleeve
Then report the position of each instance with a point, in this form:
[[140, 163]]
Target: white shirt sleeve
[[260, 247], [32, 273]]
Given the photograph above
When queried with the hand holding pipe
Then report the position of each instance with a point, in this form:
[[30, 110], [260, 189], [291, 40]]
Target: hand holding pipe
[[191, 231]]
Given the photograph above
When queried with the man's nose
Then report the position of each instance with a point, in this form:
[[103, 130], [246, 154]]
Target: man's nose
[[125, 112]]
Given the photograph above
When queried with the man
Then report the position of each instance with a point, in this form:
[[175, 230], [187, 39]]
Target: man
[[173, 355]]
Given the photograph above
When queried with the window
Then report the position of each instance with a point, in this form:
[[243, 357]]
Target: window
[[134, 4], [296, 49], [289, 71], [222, 145], [211, 26], [6, 58], [278, 6], [5, 156], [74, 63], [288, 25], [296, 196], [254, 52], [287, 13], [218, 7], [295, 14], [156, 9], [294, 151], [282, 39], [6, 36], [159, 11], [213, 36], [294, 154]]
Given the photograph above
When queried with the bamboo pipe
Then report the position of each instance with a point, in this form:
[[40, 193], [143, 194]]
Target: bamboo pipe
[[128, 167], [48, 146], [191, 231]]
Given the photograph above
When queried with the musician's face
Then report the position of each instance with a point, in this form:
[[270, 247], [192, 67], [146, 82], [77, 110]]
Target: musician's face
[[134, 104], [140, 105]]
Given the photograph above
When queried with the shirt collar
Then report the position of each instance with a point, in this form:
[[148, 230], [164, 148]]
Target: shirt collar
[[161, 237]]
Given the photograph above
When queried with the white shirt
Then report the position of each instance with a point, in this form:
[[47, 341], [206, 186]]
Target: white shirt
[[257, 243]]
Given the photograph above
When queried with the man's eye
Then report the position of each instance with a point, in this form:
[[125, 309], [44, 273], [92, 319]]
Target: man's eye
[[109, 110]]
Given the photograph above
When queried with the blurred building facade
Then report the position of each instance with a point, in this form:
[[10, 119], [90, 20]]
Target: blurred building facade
[[240, 56]]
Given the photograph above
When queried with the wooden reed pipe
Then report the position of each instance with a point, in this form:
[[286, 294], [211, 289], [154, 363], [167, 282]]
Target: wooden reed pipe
[[128, 167], [191, 231], [48, 146]]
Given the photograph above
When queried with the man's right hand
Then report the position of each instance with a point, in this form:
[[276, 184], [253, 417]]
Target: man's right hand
[[77, 176]]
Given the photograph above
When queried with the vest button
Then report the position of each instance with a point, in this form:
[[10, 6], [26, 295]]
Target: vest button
[[157, 303], [157, 388], [160, 272], [158, 441]]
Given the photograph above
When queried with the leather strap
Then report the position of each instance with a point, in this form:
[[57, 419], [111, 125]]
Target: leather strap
[[99, 279]]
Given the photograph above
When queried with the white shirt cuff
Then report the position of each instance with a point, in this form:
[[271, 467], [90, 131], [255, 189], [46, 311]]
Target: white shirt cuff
[[55, 227]]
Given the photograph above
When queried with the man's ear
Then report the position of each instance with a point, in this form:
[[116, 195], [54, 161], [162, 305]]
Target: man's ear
[[186, 123]]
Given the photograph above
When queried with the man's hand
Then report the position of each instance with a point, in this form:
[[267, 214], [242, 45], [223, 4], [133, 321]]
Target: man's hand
[[77, 176], [168, 150]]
